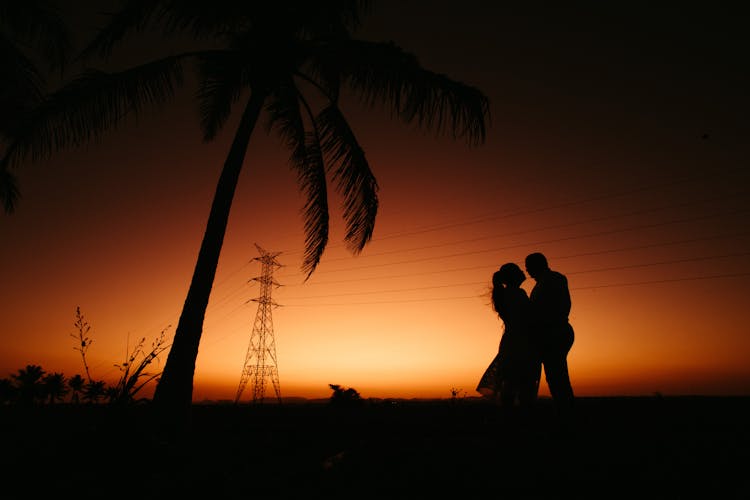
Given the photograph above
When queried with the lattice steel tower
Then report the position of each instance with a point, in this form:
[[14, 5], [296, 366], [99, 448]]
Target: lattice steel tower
[[260, 360]]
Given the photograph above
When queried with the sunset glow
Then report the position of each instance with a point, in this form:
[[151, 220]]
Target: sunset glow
[[609, 173]]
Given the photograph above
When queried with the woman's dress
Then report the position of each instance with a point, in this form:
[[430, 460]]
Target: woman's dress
[[516, 362]]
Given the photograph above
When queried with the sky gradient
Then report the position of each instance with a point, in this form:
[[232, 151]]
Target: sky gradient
[[618, 147]]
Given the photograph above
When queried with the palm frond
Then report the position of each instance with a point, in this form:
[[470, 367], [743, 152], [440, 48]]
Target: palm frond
[[221, 83], [330, 19], [287, 120], [20, 88], [38, 25], [9, 193], [438, 103], [199, 18], [91, 104], [133, 17], [383, 73], [320, 19], [354, 11], [325, 77], [353, 177], [311, 176]]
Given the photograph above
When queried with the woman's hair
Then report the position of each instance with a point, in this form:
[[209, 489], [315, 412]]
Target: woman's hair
[[507, 273], [497, 291]]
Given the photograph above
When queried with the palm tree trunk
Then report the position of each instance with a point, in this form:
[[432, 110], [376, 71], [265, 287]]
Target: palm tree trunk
[[174, 392]]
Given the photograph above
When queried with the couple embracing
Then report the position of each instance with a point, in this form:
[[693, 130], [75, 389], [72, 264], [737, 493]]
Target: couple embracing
[[537, 334]]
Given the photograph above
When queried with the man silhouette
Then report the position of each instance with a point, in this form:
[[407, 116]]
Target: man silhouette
[[554, 336]]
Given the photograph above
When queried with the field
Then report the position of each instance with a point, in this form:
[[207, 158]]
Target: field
[[655, 447]]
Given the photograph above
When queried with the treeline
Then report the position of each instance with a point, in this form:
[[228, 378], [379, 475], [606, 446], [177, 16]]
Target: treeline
[[32, 385]]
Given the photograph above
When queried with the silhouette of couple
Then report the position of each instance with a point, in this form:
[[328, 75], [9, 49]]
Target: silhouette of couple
[[537, 334]]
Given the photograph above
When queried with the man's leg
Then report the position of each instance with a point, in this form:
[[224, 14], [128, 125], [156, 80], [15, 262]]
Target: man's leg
[[558, 380]]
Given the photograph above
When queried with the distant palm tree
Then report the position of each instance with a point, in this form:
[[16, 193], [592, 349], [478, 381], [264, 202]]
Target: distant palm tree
[[33, 39], [76, 384], [8, 391], [94, 391], [291, 59], [112, 394], [55, 387], [29, 383]]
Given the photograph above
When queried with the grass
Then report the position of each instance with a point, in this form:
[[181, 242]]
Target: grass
[[660, 447]]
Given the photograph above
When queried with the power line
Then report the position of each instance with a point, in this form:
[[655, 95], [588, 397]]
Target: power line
[[555, 226], [609, 285], [538, 242], [661, 263], [216, 304], [545, 228], [569, 256], [601, 269], [493, 216], [666, 280], [397, 290]]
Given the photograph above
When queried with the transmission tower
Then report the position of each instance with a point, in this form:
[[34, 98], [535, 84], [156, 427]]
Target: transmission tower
[[260, 360]]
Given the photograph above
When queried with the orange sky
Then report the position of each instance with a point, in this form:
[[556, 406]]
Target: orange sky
[[595, 157]]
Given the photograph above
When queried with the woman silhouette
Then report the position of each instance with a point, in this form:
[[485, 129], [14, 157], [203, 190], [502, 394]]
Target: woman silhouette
[[513, 375]]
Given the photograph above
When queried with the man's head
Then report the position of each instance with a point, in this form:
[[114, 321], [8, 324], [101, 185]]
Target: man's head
[[536, 264]]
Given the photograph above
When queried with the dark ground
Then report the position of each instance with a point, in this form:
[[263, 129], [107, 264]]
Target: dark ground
[[666, 448]]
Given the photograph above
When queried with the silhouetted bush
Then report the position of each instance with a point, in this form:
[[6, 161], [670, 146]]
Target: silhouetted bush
[[344, 397]]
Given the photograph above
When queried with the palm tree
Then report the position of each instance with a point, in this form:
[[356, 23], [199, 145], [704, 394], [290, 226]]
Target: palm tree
[[76, 383], [33, 37], [8, 391], [289, 61], [29, 383], [94, 390], [54, 387]]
